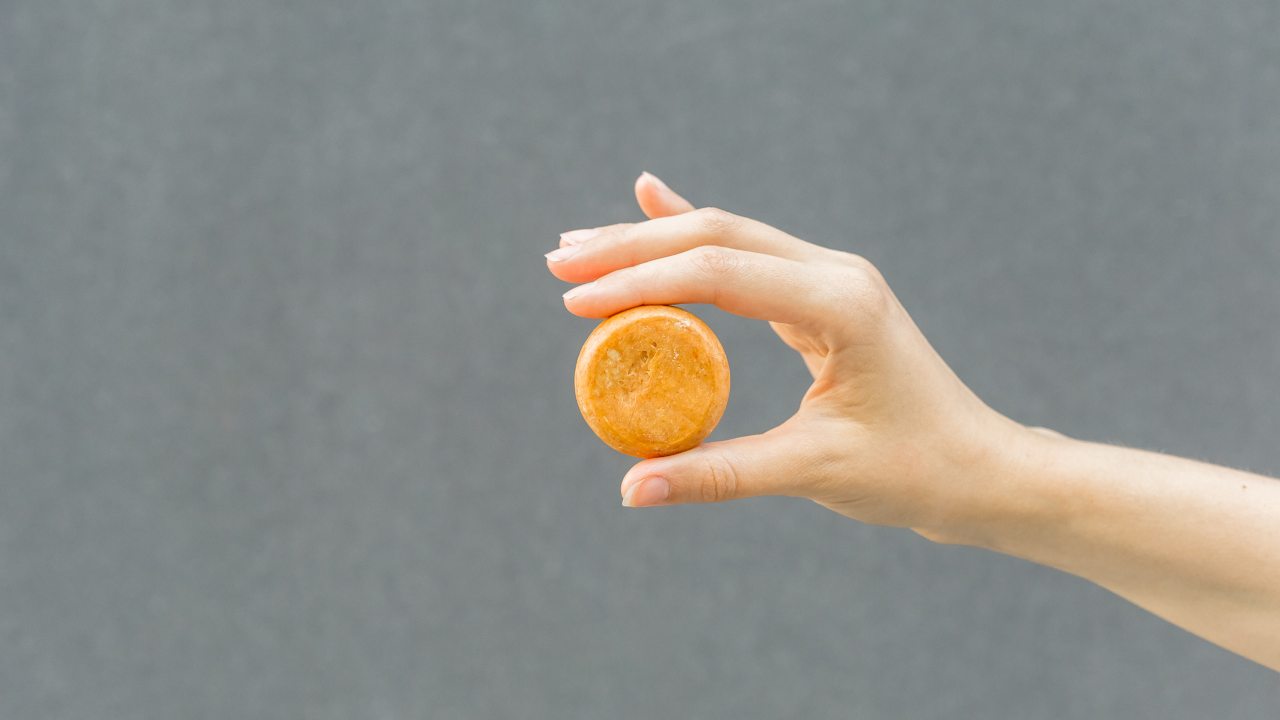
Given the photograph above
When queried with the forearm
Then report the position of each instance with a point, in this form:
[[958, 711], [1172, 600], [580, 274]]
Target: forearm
[[1196, 544]]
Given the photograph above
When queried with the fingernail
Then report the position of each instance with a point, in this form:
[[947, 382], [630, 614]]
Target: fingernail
[[628, 483], [562, 254], [650, 491], [577, 237], [657, 180], [575, 292]]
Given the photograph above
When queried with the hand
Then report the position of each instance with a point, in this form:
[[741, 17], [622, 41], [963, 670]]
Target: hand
[[886, 434]]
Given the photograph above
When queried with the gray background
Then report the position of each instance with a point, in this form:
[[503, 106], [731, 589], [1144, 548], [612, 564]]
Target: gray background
[[286, 423]]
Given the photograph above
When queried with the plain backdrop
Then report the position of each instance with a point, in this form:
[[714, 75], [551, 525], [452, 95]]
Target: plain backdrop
[[286, 415]]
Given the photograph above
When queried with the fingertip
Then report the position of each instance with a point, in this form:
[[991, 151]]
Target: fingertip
[[647, 180], [646, 493], [647, 195], [656, 199], [560, 271], [668, 468], [638, 472], [579, 301]]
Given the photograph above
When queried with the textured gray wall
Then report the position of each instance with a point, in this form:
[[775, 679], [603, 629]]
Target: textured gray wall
[[286, 423]]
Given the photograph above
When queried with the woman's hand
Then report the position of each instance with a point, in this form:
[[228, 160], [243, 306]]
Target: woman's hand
[[886, 434]]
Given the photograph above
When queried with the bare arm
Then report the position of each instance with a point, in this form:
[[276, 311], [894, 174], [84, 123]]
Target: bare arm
[[1196, 544], [887, 434]]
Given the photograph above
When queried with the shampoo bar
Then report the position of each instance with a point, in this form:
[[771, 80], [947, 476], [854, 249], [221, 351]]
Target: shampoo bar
[[652, 380]]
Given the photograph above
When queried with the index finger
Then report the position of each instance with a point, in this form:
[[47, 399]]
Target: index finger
[[750, 284]]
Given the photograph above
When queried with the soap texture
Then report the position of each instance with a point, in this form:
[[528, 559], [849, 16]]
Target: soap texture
[[652, 381]]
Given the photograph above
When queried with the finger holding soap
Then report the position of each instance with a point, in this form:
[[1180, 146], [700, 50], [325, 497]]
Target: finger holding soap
[[744, 283], [783, 461]]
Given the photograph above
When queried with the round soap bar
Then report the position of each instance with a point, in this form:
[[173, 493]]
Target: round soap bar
[[652, 380]]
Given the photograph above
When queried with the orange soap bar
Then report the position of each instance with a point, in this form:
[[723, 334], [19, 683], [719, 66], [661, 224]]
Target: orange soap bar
[[652, 381]]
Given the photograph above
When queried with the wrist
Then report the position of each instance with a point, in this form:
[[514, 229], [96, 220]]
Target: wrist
[[1006, 492]]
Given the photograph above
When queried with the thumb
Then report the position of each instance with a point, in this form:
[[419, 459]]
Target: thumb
[[778, 462], [657, 200]]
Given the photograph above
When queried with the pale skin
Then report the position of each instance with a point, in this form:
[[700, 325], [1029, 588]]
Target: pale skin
[[887, 434]]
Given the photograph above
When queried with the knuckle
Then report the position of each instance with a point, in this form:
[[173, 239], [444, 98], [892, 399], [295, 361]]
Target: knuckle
[[853, 261], [623, 236], [719, 482], [626, 240], [716, 222], [860, 263], [715, 261], [862, 289], [621, 232]]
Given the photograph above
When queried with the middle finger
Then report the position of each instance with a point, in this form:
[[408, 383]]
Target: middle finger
[[620, 246]]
